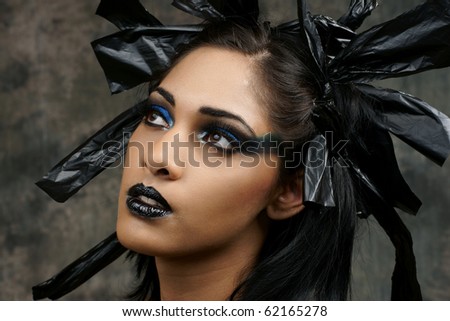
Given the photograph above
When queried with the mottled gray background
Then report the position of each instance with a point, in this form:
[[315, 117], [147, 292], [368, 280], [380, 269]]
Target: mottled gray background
[[53, 96]]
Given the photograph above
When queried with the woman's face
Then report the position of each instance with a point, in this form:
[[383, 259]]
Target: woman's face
[[184, 149]]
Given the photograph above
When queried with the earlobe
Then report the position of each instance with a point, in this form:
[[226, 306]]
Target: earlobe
[[287, 202]]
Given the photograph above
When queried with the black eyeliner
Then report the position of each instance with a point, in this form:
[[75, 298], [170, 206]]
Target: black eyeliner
[[145, 109], [220, 113], [222, 128]]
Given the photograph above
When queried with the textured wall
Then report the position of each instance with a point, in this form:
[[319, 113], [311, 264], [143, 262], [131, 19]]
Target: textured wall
[[53, 96]]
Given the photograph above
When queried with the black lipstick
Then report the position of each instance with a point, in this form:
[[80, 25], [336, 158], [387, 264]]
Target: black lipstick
[[146, 201]]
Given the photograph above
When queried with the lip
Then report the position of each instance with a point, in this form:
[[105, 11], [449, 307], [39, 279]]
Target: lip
[[146, 201]]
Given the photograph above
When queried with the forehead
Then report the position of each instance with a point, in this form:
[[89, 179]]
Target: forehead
[[219, 78]]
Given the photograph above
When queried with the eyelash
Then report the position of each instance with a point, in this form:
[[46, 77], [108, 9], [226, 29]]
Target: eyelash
[[234, 137], [162, 112], [226, 131]]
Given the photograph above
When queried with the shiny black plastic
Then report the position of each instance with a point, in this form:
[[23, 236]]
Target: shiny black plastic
[[199, 8], [317, 185], [415, 41], [412, 120], [152, 47], [80, 270], [242, 9], [357, 12], [214, 10], [89, 159], [310, 35], [126, 14]]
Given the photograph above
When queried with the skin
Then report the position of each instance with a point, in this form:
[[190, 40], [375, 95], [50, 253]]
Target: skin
[[218, 221]]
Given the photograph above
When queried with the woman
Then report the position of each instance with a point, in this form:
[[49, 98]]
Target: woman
[[227, 223], [251, 160]]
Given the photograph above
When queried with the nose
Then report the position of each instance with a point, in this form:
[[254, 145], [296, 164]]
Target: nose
[[166, 156]]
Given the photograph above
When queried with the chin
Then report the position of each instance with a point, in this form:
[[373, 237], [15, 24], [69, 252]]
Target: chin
[[136, 236], [128, 234]]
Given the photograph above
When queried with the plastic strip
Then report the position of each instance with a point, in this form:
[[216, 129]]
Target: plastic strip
[[357, 12], [152, 49], [199, 8], [308, 32], [88, 160], [376, 167], [414, 42], [412, 120], [215, 10], [80, 270], [126, 14], [317, 185]]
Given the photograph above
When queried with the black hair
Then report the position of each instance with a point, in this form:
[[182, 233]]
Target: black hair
[[307, 256]]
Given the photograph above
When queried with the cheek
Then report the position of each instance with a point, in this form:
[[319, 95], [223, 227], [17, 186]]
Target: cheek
[[239, 190], [252, 187], [133, 164], [225, 205]]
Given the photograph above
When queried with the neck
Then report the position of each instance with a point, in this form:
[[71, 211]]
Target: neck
[[206, 277]]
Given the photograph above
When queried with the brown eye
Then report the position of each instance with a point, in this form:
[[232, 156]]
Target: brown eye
[[219, 138], [154, 116], [215, 137], [158, 116]]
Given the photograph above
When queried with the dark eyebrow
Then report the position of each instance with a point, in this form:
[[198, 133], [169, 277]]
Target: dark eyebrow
[[166, 95], [210, 111]]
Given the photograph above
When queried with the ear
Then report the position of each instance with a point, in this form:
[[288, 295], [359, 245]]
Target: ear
[[287, 201]]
